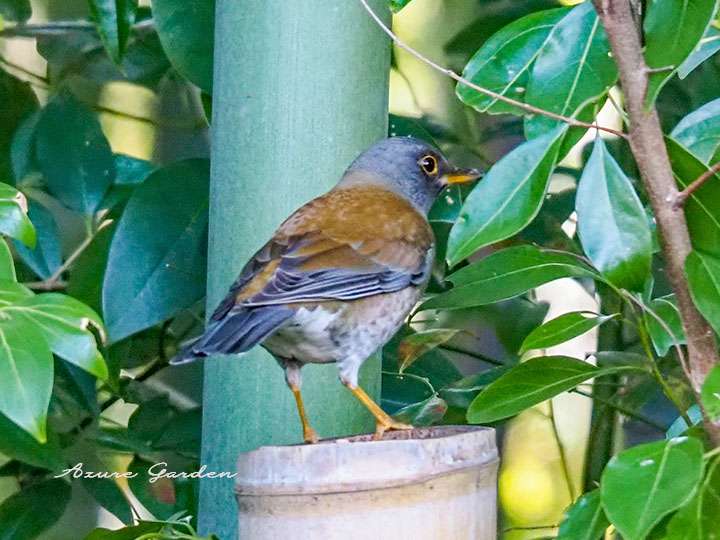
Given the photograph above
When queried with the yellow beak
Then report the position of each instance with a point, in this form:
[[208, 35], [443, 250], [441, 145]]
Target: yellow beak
[[461, 176]]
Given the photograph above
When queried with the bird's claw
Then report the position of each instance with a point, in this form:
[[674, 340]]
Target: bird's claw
[[310, 435], [391, 425]]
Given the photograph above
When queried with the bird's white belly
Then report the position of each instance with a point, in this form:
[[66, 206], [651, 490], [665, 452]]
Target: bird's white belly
[[307, 337]]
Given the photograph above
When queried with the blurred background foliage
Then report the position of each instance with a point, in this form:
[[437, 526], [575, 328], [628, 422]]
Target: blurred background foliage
[[104, 153]]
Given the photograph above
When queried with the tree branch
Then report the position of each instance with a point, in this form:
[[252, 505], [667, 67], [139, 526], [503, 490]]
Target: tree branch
[[500, 97], [55, 28], [695, 185], [648, 148]]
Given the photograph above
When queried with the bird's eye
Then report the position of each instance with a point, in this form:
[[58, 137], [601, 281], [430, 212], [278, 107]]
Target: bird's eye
[[429, 164]]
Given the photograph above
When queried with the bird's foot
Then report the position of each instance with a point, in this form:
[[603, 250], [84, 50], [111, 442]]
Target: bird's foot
[[310, 435], [382, 426]]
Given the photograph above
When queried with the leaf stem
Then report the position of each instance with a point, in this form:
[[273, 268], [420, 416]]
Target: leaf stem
[[627, 412], [476, 356], [696, 184], [500, 97]]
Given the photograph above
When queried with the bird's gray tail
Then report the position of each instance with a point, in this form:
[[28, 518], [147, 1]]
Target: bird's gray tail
[[236, 332]]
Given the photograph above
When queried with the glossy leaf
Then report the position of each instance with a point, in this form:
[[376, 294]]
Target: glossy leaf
[[18, 444], [506, 274], [157, 496], [680, 426], [703, 274], [612, 223], [7, 266], [425, 413], [504, 62], [708, 46], [573, 68], [461, 393], [643, 484], [65, 324], [710, 394], [666, 309], [585, 519], [697, 520], [151, 276], [507, 198], [186, 29], [46, 256], [27, 513], [26, 376], [397, 5], [22, 147], [665, 45], [73, 154], [114, 19], [530, 383], [15, 10], [110, 496], [88, 271], [130, 170], [702, 208], [14, 221], [19, 102], [699, 131], [126, 533], [415, 345], [562, 329], [11, 292]]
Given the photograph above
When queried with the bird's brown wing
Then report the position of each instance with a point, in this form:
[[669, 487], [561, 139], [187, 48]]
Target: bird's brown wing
[[347, 245]]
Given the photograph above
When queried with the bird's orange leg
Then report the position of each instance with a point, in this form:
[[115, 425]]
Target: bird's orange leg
[[309, 434], [383, 421]]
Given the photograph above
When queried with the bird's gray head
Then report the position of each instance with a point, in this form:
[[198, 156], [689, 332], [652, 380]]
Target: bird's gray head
[[409, 167]]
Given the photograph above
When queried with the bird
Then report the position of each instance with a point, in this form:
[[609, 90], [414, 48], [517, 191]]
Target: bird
[[340, 275]]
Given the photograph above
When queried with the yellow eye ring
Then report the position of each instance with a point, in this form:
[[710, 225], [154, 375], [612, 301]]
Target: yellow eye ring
[[429, 164]]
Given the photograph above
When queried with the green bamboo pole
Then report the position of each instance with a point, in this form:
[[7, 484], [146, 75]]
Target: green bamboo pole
[[300, 89]]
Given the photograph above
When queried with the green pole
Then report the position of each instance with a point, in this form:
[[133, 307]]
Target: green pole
[[300, 89]]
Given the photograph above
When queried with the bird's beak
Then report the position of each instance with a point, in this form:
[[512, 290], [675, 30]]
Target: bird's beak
[[461, 176]]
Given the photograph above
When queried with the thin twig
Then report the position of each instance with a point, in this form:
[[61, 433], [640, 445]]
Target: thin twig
[[56, 28], [627, 412], [561, 451], [476, 356], [53, 282], [500, 97], [696, 184]]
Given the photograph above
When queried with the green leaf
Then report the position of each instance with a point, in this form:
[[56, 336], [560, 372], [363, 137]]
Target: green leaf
[[461, 393], [699, 131], [156, 264], [708, 46], [65, 325], [703, 274], [11, 292], [645, 483], [155, 494], [666, 309], [46, 256], [530, 383], [680, 426], [506, 274], [504, 62], [7, 266], [113, 19], [562, 329], [665, 45], [710, 394], [131, 171], [19, 102], [415, 345], [29, 512], [26, 376], [573, 69], [697, 520], [18, 444], [612, 223], [15, 10], [186, 29], [22, 147], [425, 413], [88, 271], [585, 519], [397, 5], [14, 221], [73, 154], [126, 533], [702, 208], [507, 198], [107, 492]]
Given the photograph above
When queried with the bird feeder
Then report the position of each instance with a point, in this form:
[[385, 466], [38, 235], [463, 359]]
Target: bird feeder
[[427, 483]]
